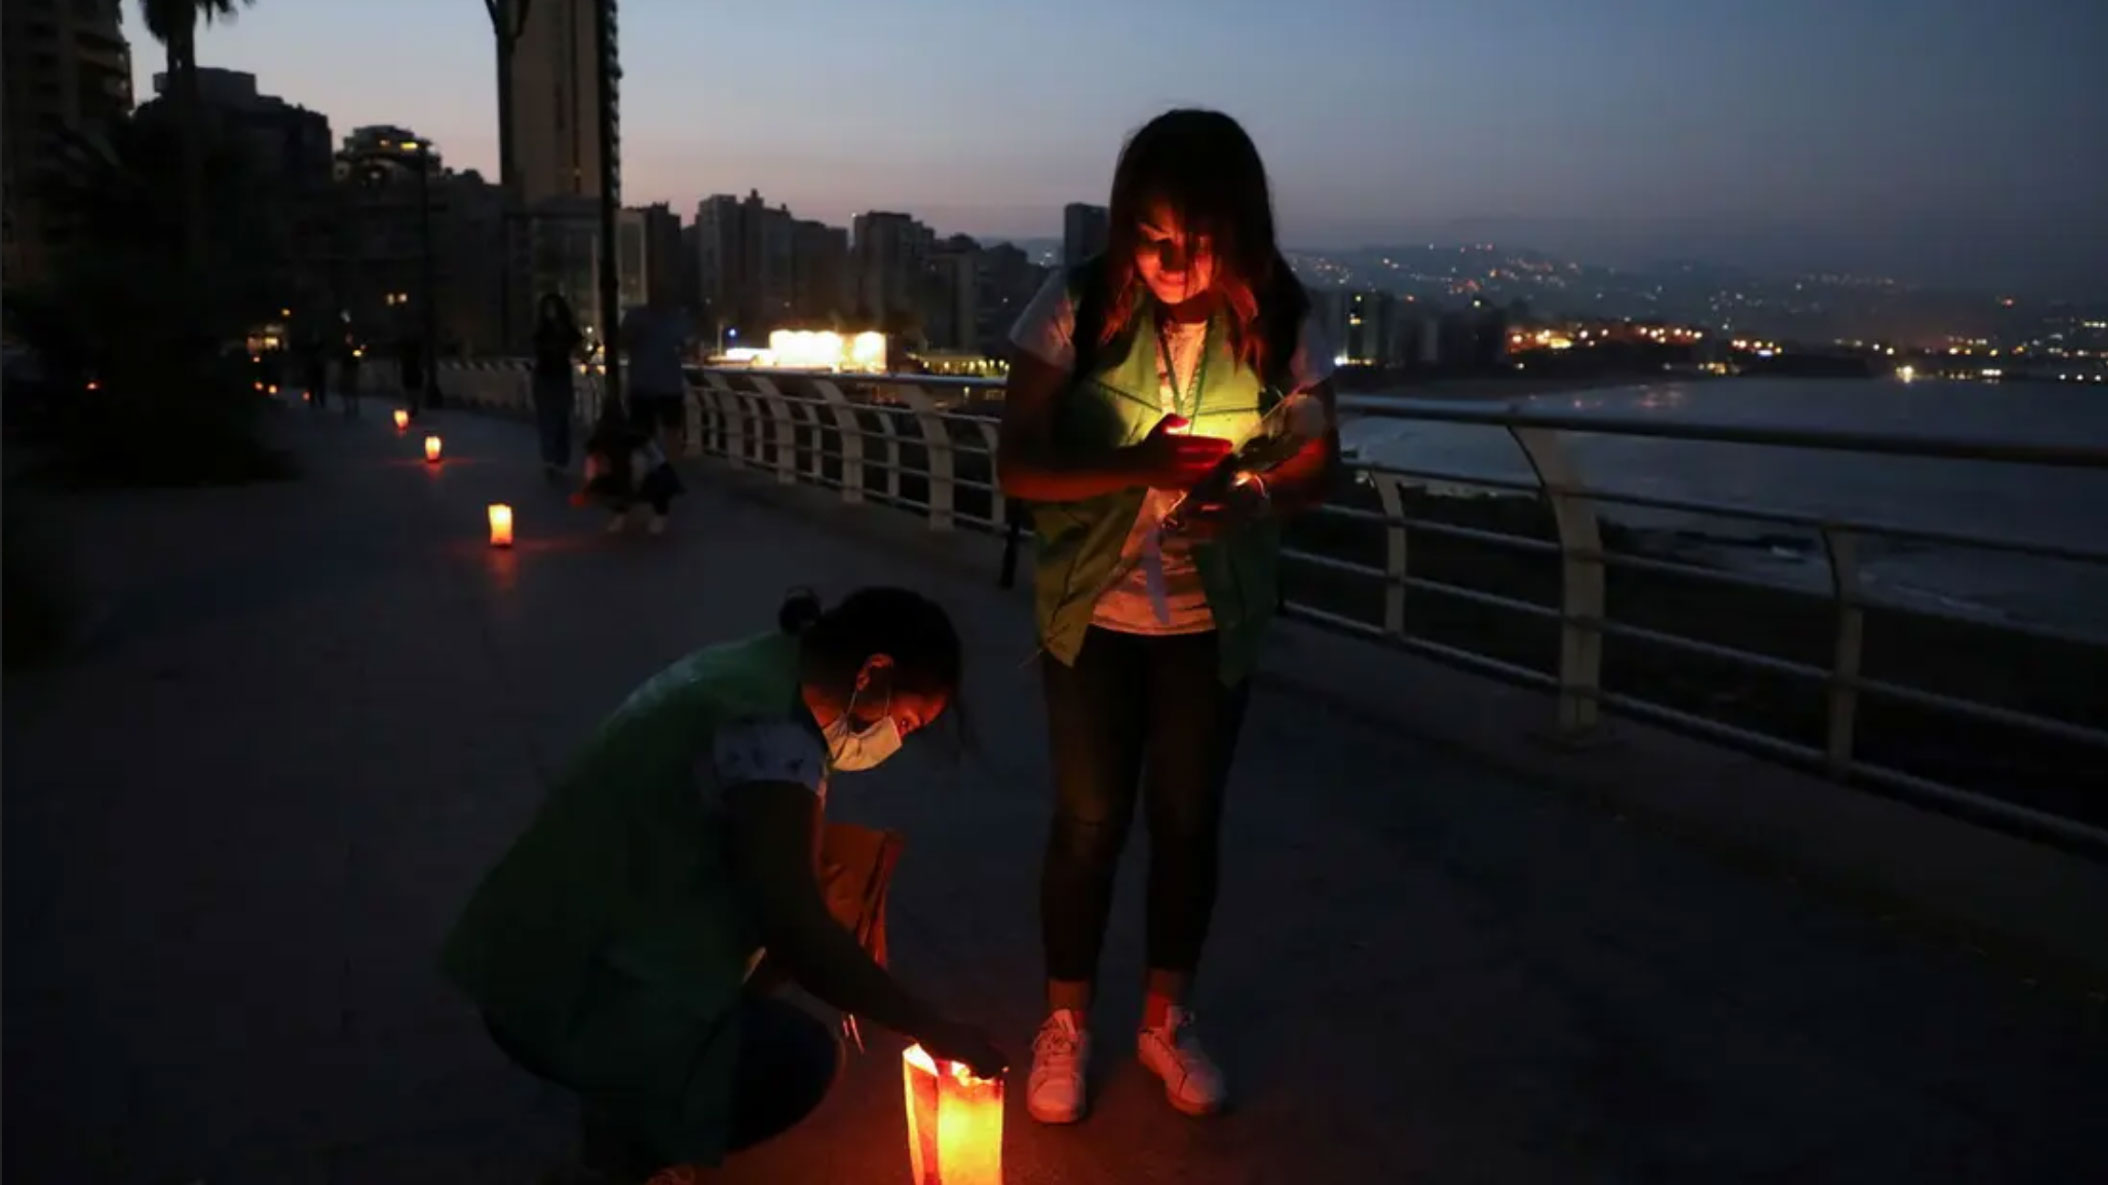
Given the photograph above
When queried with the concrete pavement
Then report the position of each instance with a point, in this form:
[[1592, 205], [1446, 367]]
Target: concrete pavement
[[238, 821]]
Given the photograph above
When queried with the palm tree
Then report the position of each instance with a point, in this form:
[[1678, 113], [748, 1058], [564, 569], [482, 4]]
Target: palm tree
[[174, 23]]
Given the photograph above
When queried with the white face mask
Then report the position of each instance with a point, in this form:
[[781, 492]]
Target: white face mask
[[855, 751]]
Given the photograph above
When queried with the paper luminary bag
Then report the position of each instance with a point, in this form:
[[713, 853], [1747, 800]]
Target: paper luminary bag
[[955, 1122], [856, 874]]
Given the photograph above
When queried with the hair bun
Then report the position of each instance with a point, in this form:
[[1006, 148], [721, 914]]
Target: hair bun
[[799, 610]]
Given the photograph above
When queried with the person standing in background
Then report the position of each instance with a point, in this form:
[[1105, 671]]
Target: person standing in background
[[556, 342], [652, 337], [349, 354], [410, 358]]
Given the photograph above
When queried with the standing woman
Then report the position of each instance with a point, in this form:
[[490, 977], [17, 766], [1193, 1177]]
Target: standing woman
[[556, 340], [1135, 373]]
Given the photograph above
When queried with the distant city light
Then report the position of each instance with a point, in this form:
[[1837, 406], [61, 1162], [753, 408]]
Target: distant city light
[[1906, 373], [799, 349]]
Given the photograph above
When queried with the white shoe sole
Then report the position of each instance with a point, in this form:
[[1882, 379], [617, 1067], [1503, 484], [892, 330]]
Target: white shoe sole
[[1056, 1118], [1180, 1105]]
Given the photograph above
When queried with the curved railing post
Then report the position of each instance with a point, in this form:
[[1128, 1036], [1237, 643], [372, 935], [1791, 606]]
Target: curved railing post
[[735, 426], [1840, 720], [852, 439], [816, 458], [937, 446], [717, 416], [1580, 579], [891, 469], [786, 429], [691, 420], [998, 506], [1390, 491]]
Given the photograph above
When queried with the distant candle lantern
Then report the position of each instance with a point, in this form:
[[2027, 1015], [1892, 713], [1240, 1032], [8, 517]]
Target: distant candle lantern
[[402, 419], [432, 449], [500, 525], [955, 1122]]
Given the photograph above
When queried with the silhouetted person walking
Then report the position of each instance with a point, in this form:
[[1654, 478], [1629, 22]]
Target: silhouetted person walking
[[556, 342], [410, 356]]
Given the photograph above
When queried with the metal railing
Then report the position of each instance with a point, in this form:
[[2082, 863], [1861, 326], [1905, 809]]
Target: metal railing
[[927, 445]]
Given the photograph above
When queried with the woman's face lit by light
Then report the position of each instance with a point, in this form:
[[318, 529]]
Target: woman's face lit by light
[[1176, 264]]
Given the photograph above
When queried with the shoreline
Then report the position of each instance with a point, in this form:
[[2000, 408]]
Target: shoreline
[[1516, 386]]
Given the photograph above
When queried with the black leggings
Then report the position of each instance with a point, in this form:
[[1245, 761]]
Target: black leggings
[[1134, 704]]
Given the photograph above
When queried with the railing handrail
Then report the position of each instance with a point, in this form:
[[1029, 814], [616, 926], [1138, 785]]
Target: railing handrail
[[1906, 444], [950, 381], [804, 426], [1508, 414]]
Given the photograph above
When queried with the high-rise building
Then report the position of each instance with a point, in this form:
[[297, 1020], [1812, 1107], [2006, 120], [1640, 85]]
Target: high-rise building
[[556, 148], [562, 247], [555, 100], [281, 186], [388, 216], [1007, 282], [745, 252], [820, 273], [771, 241], [384, 152], [1363, 327], [720, 263], [890, 255], [759, 268], [691, 271], [665, 267], [632, 257], [65, 82], [951, 304], [1083, 231]]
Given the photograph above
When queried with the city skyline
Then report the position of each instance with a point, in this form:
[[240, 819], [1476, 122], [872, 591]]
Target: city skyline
[[1800, 137]]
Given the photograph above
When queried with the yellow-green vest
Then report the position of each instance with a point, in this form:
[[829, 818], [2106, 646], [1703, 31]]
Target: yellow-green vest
[[1116, 405]]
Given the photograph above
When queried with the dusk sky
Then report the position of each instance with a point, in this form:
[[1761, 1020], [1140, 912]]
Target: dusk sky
[[1948, 140]]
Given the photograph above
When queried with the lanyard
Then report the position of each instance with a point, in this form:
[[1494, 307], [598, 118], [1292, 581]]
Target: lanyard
[[1185, 403]]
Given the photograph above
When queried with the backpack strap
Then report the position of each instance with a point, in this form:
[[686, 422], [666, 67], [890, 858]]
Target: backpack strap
[[1087, 285]]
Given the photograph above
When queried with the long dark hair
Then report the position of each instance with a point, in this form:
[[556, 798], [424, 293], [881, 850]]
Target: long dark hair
[[1202, 167]]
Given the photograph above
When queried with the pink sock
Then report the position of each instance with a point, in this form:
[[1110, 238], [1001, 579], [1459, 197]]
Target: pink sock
[[1156, 1010]]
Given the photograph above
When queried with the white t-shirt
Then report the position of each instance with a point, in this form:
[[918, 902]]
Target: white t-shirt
[[749, 751], [1046, 329]]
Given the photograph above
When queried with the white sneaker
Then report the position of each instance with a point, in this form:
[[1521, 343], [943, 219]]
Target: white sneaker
[[618, 524], [1061, 1055], [658, 524], [1192, 1081]]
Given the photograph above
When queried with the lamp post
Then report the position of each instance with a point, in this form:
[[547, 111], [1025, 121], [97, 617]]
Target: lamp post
[[427, 353], [604, 46]]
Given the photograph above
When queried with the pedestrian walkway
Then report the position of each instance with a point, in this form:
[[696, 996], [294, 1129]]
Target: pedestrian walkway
[[309, 716]]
